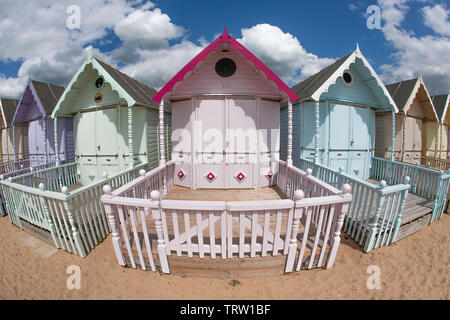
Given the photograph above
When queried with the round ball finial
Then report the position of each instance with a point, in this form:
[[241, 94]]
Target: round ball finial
[[383, 184], [155, 195], [65, 190], [142, 172], [31, 169], [341, 169], [346, 188], [309, 171], [2, 177], [107, 189], [10, 179], [418, 163], [299, 195], [407, 180], [42, 186]]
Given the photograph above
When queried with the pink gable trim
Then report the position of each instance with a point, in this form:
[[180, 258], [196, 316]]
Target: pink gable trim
[[225, 37]]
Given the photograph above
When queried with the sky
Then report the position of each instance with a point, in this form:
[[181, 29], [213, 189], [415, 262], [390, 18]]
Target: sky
[[152, 40]]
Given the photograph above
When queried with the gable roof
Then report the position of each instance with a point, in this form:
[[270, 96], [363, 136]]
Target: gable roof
[[8, 107], [225, 38], [131, 90], [440, 103], [404, 93], [38, 99], [319, 83]]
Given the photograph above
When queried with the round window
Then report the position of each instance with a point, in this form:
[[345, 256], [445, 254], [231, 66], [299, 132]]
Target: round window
[[225, 67], [347, 76], [99, 82]]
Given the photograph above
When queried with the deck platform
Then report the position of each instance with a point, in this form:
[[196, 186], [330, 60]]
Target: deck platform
[[182, 193]]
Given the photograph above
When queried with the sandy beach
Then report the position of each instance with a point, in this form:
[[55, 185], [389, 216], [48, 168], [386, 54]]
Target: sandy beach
[[417, 267]]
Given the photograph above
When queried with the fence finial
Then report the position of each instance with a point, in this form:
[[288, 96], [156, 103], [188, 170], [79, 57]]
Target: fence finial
[[341, 169], [155, 195], [309, 171], [407, 180], [346, 188], [107, 189], [142, 172], [31, 169], [383, 184], [2, 177], [299, 195], [418, 163], [65, 190], [10, 179], [42, 186]]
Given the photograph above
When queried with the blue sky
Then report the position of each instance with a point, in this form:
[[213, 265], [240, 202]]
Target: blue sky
[[152, 40]]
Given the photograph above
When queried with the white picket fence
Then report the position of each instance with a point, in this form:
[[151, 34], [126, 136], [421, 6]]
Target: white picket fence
[[306, 229]]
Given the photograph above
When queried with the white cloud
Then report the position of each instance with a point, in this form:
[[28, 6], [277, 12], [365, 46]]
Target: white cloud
[[437, 19], [426, 55], [282, 52]]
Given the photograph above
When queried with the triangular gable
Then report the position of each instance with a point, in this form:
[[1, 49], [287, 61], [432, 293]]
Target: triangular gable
[[38, 100], [225, 38], [8, 108], [320, 83], [404, 93], [128, 89], [441, 103]]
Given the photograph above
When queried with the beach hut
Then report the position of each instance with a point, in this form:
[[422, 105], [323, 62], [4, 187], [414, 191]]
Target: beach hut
[[14, 140], [441, 103], [416, 111], [115, 121], [34, 109], [226, 118], [334, 117]]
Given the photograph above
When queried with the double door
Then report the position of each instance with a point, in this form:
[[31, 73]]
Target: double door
[[351, 138], [412, 149], [96, 148], [226, 144]]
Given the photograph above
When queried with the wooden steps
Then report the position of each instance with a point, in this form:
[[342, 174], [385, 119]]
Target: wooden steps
[[40, 233]]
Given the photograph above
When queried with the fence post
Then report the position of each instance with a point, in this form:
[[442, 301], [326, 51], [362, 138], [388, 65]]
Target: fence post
[[346, 191], [43, 201], [398, 221], [341, 178], [111, 212], [373, 225], [75, 233], [156, 198], [308, 184], [298, 195]]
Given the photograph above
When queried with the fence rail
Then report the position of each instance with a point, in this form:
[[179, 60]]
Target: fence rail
[[375, 214], [436, 163], [143, 225], [11, 166], [76, 220]]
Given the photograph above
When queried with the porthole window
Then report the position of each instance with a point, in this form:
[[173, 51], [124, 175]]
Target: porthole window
[[98, 98], [348, 78], [99, 82], [225, 67]]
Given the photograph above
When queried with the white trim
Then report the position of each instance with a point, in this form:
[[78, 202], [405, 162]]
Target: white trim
[[414, 92], [346, 65]]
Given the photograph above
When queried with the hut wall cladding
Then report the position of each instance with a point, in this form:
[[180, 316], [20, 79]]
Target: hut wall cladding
[[101, 130], [342, 106]]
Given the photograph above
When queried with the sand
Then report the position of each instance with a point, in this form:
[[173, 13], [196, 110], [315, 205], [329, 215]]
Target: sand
[[417, 267]]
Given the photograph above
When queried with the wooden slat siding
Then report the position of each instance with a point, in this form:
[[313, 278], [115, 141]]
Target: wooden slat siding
[[329, 224], [144, 213], [176, 232], [125, 235], [229, 237]]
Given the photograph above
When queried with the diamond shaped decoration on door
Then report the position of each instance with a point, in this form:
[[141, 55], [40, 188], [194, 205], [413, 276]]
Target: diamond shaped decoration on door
[[269, 175], [181, 175], [210, 177], [240, 177]]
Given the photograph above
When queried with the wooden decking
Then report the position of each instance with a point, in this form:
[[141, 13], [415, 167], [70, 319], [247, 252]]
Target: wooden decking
[[269, 193]]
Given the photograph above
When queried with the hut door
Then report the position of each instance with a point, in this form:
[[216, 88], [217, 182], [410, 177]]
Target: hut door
[[106, 141], [32, 143], [241, 143], [209, 144], [340, 136], [361, 145]]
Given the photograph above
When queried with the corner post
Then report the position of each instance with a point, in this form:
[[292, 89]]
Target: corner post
[[111, 212], [14, 142], [393, 135], [76, 235], [156, 212], [43, 201], [341, 212], [373, 225], [162, 148], [317, 133], [298, 195], [290, 127], [56, 142], [130, 136], [398, 220]]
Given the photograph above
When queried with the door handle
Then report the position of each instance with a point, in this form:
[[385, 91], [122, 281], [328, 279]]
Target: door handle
[[352, 142], [98, 147]]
